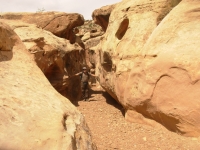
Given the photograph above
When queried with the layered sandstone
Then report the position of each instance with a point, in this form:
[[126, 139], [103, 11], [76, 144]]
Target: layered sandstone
[[130, 25], [56, 57], [33, 114], [148, 62], [101, 15], [89, 35], [59, 23], [164, 85]]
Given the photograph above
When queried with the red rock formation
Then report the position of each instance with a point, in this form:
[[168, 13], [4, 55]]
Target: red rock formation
[[58, 23], [131, 23], [166, 83], [101, 15], [33, 114], [89, 35], [149, 62], [55, 56]]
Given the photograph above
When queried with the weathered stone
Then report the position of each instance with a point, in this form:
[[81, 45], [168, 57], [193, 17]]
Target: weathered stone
[[130, 25], [164, 82], [157, 41], [89, 35], [86, 37], [59, 23], [55, 56], [101, 15], [31, 109]]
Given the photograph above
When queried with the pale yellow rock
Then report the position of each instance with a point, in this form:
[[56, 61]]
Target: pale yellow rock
[[86, 37], [59, 23], [34, 115], [55, 56]]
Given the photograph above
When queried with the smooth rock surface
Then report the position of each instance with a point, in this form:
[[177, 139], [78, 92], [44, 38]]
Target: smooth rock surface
[[148, 62], [165, 84], [33, 114]]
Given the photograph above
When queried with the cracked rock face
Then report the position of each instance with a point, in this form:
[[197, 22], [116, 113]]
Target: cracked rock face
[[56, 57], [164, 85], [101, 15], [58, 23], [31, 109], [148, 62]]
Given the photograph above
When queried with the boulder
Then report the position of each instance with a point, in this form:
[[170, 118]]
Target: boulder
[[89, 35], [130, 25], [101, 16], [86, 36], [164, 82], [148, 61], [59, 23], [56, 57], [33, 114]]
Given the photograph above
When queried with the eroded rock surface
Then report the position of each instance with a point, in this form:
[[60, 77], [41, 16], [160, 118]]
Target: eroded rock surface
[[89, 35], [56, 57], [101, 15], [130, 25], [33, 114], [148, 62], [164, 84], [58, 23]]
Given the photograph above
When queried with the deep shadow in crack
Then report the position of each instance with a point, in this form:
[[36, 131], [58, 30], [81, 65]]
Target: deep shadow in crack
[[75, 103], [95, 92], [111, 101]]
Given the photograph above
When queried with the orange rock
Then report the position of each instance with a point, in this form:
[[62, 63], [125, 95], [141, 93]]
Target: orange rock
[[101, 16], [33, 114], [55, 56], [149, 61], [165, 85], [59, 23]]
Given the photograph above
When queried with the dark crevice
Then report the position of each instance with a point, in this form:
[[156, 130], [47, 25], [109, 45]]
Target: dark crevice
[[63, 121], [109, 100], [106, 62]]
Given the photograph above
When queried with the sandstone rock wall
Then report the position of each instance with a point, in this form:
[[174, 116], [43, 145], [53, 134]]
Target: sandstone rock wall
[[89, 35], [166, 83], [58, 23], [55, 56], [148, 61], [101, 16], [33, 114], [130, 25]]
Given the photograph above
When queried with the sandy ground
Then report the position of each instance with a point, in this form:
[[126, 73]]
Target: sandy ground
[[110, 131]]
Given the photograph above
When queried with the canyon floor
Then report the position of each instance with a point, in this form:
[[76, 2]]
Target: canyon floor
[[110, 130]]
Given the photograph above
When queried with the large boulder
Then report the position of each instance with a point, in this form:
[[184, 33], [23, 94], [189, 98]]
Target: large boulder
[[56, 57], [130, 25], [164, 82], [101, 15], [148, 61], [59, 23], [33, 114]]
